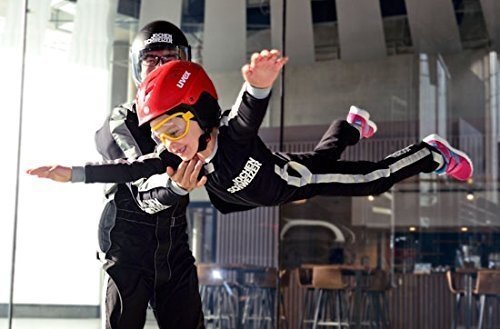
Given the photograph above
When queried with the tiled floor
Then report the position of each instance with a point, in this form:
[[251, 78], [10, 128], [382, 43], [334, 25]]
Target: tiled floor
[[61, 324]]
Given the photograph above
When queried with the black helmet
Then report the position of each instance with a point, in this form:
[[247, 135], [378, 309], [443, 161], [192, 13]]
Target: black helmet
[[157, 35]]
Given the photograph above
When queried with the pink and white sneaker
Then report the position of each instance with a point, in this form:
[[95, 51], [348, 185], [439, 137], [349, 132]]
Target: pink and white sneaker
[[360, 119], [457, 164]]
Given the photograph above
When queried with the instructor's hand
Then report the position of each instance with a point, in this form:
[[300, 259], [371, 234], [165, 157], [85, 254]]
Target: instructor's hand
[[186, 175], [56, 173]]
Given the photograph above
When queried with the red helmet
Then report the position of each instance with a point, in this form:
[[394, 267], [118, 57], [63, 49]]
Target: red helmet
[[174, 86]]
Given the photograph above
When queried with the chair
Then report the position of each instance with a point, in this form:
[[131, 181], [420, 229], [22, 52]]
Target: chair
[[260, 291], [219, 300], [458, 294], [284, 277], [330, 306], [488, 289], [376, 306], [304, 275]]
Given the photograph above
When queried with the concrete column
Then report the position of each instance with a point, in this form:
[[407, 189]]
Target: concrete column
[[152, 10], [197, 234], [491, 119], [119, 74], [361, 31], [433, 26], [299, 30], [94, 29], [224, 36], [442, 107], [491, 13], [427, 95]]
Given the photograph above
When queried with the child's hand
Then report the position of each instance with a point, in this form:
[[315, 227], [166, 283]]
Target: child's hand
[[186, 175], [56, 173], [264, 68]]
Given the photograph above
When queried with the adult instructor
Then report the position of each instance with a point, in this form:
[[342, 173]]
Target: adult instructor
[[144, 244]]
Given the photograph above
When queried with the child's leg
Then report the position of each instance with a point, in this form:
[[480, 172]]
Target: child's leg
[[337, 137], [343, 133], [356, 178]]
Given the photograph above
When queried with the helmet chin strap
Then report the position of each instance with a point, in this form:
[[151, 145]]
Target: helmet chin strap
[[203, 141]]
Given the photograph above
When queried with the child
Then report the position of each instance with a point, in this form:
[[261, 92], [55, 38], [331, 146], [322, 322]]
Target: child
[[179, 102]]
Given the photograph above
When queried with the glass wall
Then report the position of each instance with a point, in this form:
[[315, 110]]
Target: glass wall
[[418, 67], [417, 72], [10, 49], [56, 95]]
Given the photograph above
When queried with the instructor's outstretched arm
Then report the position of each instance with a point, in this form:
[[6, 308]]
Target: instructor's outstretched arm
[[57, 173]]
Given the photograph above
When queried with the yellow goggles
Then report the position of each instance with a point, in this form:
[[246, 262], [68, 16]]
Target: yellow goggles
[[173, 127]]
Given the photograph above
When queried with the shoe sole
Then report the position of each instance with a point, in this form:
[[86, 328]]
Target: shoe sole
[[356, 110], [454, 150], [373, 125]]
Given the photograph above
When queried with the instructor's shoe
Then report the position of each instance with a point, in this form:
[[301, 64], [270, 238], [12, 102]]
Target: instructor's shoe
[[360, 119], [457, 164]]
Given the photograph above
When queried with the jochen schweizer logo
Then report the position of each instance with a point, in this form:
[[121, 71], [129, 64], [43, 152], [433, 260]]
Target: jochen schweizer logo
[[159, 37], [246, 175]]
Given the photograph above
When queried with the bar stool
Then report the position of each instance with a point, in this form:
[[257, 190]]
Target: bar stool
[[329, 300], [219, 300], [284, 277], [376, 306], [488, 289], [458, 294], [305, 281], [260, 291]]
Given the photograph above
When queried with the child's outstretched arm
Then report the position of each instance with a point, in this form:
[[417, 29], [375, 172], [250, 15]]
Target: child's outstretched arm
[[264, 68], [185, 176]]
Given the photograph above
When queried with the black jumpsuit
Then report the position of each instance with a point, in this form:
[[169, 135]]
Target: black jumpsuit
[[144, 245], [244, 174]]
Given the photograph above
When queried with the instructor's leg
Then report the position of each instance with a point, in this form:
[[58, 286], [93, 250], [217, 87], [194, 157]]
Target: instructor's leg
[[126, 300], [179, 305], [177, 302]]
